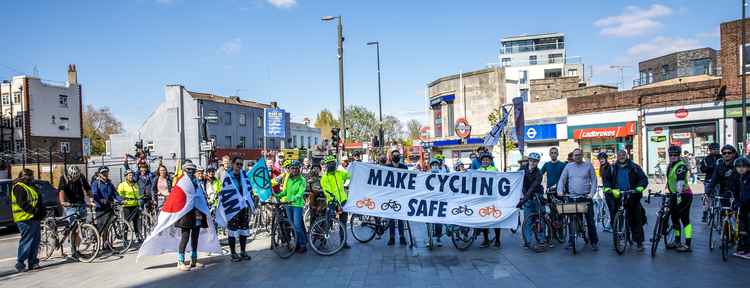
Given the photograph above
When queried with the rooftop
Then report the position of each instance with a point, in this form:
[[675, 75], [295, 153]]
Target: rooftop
[[532, 36], [678, 52], [235, 100]]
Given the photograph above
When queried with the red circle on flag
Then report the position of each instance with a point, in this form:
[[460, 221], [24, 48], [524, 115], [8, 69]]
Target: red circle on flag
[[176, 200]]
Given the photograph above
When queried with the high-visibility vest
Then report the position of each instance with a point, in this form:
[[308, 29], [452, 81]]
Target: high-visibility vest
[[32, 196], [130, 194]]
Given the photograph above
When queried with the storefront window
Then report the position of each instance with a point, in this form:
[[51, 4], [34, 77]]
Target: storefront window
[[693, 138]]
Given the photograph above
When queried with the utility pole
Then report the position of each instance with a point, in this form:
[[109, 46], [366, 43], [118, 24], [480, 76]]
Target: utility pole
[[744, 91], [340, 41], [380, 95]]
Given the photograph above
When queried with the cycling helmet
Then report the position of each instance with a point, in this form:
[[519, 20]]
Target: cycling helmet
[[535, 156], [295, 164], [103, 169], [74, 172], [485, 155], [458, 164], [742, 161], [128, 171], [440, 157], [602, 155], [329, 159], [200, 168], [730, 148], [434, 161], [286, 163], [675, 150], [713, 146], [210, 169]]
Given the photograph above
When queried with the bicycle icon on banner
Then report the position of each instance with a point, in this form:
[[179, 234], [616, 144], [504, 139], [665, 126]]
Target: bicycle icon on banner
[[462, 210], [392, 204]]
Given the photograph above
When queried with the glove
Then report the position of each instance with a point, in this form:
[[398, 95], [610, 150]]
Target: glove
[[616, 193], [284, 199], [639, 189]]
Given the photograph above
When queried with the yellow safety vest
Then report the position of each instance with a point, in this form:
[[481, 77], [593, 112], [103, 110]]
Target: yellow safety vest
[[32, 196], [130, 194]]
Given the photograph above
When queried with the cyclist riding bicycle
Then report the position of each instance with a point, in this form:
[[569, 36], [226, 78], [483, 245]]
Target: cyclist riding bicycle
[[486, 164], [626, 176], [532, 187], [741, 181], [332, 183], [707, 167], [677, 182]]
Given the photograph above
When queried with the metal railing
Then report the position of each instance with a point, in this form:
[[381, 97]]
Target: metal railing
[[553, 60], [510, 49]]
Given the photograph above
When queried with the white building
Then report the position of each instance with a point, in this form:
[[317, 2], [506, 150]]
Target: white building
[[39, 116], [304, 136], [541, 56]]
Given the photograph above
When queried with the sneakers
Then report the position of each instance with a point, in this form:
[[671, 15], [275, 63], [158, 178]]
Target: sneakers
[[569, 246], [182, 266], [484, 244], [673, 245], [743, 255], [346, 246], [245, 257], [497, 244], [684, 248], [437, 241], [236, 258], [20, 267], [302, 250], [391, 242]]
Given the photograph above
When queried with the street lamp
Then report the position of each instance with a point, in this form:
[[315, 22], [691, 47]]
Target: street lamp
[[341, 70], [380, 96]]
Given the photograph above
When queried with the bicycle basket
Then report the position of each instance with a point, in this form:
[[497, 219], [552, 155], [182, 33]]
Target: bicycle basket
[[572, 208]]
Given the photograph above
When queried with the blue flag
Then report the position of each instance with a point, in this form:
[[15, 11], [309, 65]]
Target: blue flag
[[491, 138], [260, 179]]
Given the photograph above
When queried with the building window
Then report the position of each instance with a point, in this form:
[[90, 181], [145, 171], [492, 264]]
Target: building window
[[259, 143], [259, 121], [63, 99], [552, 73], [745, 62], [437, 115], [212, 116], [532, 60], [451, 124], [572, 72], [17, 97], [555, 58], [525, 95], [227, 118], [316, 140], [664, 71], [228, 141], [309, 142], [19, 145], [64, 123], [243, 119], [242, 142], [505, 62], [19, 120], [6, 99], [523, 76], [701, 66], [64, 147]]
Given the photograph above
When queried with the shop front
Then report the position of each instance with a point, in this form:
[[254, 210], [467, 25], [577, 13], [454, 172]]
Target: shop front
[[607, 137], [692, 128], [456, 149], [540, 138]]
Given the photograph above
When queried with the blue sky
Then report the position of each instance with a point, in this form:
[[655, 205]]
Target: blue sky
[[126, 51]]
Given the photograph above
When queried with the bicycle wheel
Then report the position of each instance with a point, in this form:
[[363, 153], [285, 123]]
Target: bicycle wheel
[[430, 229], [656, 236], [284, 240], [572, 223], [462, 237], [606, 224], [559, 229], [89, 244], [725, 238], [363, 227], [711, 223], [618, 233], [327, 236], [48, 242], [120, 236], [147, 224]]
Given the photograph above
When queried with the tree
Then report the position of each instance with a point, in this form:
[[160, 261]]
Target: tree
[[325, 121], [414, 129], [392, 128], [360, 123], [98, 124]]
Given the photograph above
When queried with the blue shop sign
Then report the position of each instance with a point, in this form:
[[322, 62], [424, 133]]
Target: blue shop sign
[[275, 123], [540, 132]]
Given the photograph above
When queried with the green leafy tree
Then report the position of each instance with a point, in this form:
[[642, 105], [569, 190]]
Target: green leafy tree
[[392, 128], [361, 124], [98, 124], [325, 121], [414, 129]]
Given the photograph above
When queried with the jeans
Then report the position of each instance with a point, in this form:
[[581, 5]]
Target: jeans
[[81, 211], [590, 224], [28, 246], [529, 208], [295, 216]]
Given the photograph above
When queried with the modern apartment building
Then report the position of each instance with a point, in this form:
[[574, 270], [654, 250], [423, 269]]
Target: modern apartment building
[[683, 66]]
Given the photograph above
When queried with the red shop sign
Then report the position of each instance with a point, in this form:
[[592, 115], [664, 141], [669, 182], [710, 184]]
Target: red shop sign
[[681, 113], [605, 132]]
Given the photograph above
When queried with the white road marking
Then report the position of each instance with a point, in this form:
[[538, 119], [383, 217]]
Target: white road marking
[[8, 259], [11, 238]]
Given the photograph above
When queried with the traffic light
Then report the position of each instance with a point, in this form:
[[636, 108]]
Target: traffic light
[[335, 136]]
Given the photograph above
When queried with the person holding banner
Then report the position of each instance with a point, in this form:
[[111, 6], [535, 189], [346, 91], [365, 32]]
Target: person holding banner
[[396, 163], [235, 204], [487, 164], [437, 166], [294, 193], [332, 184]]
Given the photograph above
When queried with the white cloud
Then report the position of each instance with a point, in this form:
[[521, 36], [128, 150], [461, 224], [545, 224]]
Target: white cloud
[[283, 3], [661, 46], [633, 21], [231, 47]]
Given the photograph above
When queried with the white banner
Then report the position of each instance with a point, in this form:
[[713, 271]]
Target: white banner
[[472, 199]]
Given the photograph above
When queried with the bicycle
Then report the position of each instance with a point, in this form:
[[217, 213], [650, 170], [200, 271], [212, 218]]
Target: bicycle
[[621, 235], [714, 219], [574, 211], [601, 213], [729, 233], [117, 233], [367, 202], [662, 227], [283, 236], [328, 233], [461, 237], [147, 220], [364, 228], [490, 211], [540, 225], [84, 238], [559, 231]]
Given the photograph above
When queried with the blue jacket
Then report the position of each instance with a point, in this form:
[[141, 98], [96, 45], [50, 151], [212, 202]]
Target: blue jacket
[[104, 194]]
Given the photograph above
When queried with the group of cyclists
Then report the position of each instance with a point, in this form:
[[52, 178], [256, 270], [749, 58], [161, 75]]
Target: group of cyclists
[[314, 184]]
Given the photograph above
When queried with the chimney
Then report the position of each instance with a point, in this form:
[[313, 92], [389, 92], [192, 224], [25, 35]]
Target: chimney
[[72, 74]]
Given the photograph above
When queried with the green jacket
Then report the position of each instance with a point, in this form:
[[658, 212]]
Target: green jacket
[[677, 171], [488, 168], [294, 191], [333, 185]]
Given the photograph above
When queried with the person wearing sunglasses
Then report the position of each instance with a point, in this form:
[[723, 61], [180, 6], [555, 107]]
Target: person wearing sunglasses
[[721, 179], [707, 167]]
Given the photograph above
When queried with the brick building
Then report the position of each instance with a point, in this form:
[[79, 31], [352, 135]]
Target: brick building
[[689, 63]]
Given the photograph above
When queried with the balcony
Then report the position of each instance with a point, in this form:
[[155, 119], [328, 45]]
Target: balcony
[[553, 60], [531, 48], [675, 73]]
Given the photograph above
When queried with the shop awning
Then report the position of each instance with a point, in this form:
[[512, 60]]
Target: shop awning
[[452, 142], [609, 130]]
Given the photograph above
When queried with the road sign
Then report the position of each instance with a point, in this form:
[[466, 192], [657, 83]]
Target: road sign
[[86, 146], [207, 146], [463, 129], [275, 123]]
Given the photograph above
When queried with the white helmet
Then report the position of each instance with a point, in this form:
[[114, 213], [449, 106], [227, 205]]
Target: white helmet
[[74, 172]]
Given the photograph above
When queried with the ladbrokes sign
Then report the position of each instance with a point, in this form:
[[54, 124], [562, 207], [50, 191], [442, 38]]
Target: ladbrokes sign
[[604, 132]]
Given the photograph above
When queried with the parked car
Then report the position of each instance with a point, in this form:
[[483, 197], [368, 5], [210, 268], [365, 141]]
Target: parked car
[[49, 196]]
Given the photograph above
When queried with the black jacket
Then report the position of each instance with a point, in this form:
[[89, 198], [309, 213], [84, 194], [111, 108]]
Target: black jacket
[[722, 176], [605, 172], [741, 187], [532, 182], [708, 165], [637, 178]]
